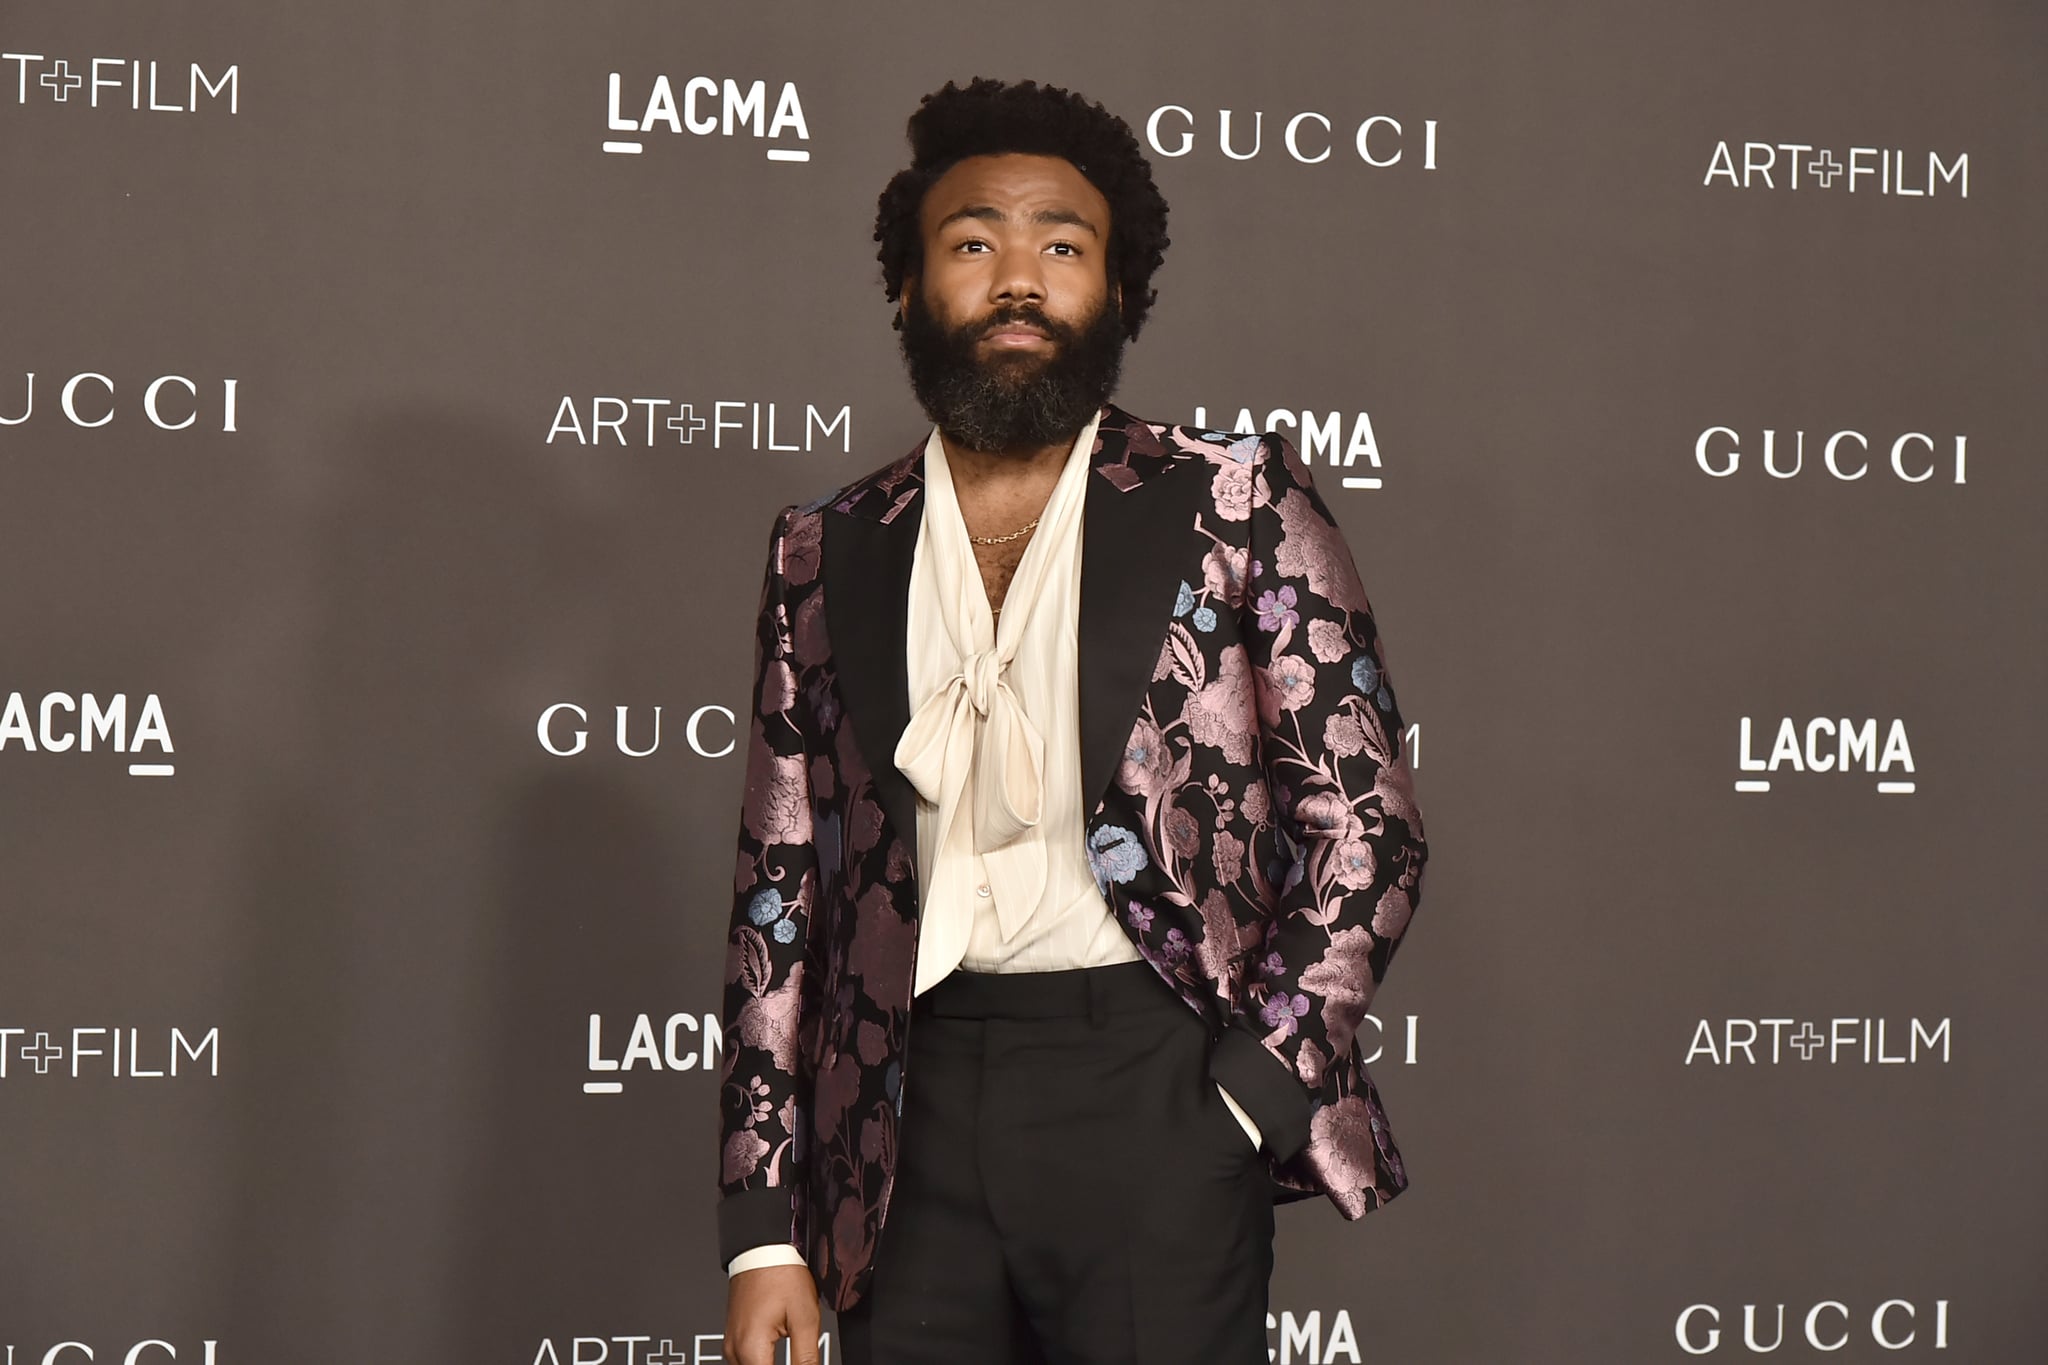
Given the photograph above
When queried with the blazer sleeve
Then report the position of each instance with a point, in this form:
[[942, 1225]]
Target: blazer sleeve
[[1349, 842], [765, 1089]]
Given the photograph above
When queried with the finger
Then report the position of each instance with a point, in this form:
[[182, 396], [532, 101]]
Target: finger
[[758, 1348], [803, 1334]]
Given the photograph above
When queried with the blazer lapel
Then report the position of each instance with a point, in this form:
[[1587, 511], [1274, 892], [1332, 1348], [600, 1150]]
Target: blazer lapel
[[1142, 501], [870, 537]]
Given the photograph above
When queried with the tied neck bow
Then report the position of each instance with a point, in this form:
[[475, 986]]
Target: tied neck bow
[[974, 729]]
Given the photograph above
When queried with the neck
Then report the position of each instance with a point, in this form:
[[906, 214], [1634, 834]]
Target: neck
[[981, 468]]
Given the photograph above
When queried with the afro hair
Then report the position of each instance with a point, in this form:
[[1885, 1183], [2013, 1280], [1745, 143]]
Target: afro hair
[[990, 117]]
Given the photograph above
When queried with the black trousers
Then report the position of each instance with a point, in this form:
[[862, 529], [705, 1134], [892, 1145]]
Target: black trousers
[[1070, 1188]]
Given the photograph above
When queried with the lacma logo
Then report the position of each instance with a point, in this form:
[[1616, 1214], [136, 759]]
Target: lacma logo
[[1822, 745], [683, 1042], [1298, 1339], [121, 83], [707, 107], [1319, 433], [66, 724]]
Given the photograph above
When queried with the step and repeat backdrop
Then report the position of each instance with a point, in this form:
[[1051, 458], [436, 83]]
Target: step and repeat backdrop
[[394, 400]]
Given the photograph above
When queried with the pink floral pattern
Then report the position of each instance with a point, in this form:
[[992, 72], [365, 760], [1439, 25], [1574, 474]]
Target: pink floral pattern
[[1258, 841]]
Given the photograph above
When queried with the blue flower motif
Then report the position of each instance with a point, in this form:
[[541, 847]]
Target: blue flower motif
[[1140, 916], [785, 931], [1204, 619], [765, 907], [1185, 602], [1244, 450], [1365, 674], [1115, 855], [1217, 435], [1386, 702]]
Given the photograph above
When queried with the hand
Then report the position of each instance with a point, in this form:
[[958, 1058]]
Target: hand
[[763, 1306]]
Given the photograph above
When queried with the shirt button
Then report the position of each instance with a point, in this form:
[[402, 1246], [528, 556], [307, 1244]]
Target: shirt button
[[982, 891]]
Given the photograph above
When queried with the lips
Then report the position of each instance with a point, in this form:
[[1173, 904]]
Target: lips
[[1016, 336], [1015, 329]]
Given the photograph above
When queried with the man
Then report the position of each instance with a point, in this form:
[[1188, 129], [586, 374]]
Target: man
[[1076, 834]]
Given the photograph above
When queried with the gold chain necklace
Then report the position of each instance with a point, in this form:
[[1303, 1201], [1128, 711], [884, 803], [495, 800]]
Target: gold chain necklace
[[1026, 529]]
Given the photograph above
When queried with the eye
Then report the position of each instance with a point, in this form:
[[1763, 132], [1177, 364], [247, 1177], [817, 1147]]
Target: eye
[[971, 242], [1069, 247]]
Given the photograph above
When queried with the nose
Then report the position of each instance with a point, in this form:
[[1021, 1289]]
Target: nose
[[1017, 278]]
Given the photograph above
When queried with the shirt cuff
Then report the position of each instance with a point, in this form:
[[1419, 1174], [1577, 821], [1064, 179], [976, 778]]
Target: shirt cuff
[[753, 1258], [1244, 1120]]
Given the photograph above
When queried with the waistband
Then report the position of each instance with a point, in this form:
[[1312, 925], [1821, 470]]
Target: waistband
[[1081, 992]]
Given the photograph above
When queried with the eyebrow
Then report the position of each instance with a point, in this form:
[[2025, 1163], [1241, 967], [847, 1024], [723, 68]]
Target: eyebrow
[[989, 213]]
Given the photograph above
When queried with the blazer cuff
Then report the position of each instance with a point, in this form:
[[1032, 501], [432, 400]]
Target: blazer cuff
[[1265, 1088], [755, 1218]]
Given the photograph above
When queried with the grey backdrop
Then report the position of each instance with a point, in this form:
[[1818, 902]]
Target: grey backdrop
[[380, 912]]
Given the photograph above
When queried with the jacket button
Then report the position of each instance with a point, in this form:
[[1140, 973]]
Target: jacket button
[[982, 891]]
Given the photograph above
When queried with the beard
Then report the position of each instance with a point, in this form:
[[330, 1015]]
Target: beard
[[1011, 404]]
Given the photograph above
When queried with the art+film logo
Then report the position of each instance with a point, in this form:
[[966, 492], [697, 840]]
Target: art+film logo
[[703, 106], [1845, 456], [1826, 747], [1339, 438], [1827, 1326], [1308, 137], [59, 723], [704, 1348], [1800, 166], [1839, 1041], [763, 427], [29, 1053], [708, 731], [89, 399], [135, 84]]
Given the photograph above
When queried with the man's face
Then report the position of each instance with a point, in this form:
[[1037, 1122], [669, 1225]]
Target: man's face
[[1011, 332]]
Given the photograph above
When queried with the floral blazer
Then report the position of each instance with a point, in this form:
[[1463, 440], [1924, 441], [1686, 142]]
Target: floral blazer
[[1254, 827]]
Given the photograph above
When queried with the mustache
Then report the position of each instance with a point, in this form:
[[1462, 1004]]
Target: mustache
[[1023, 315]]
